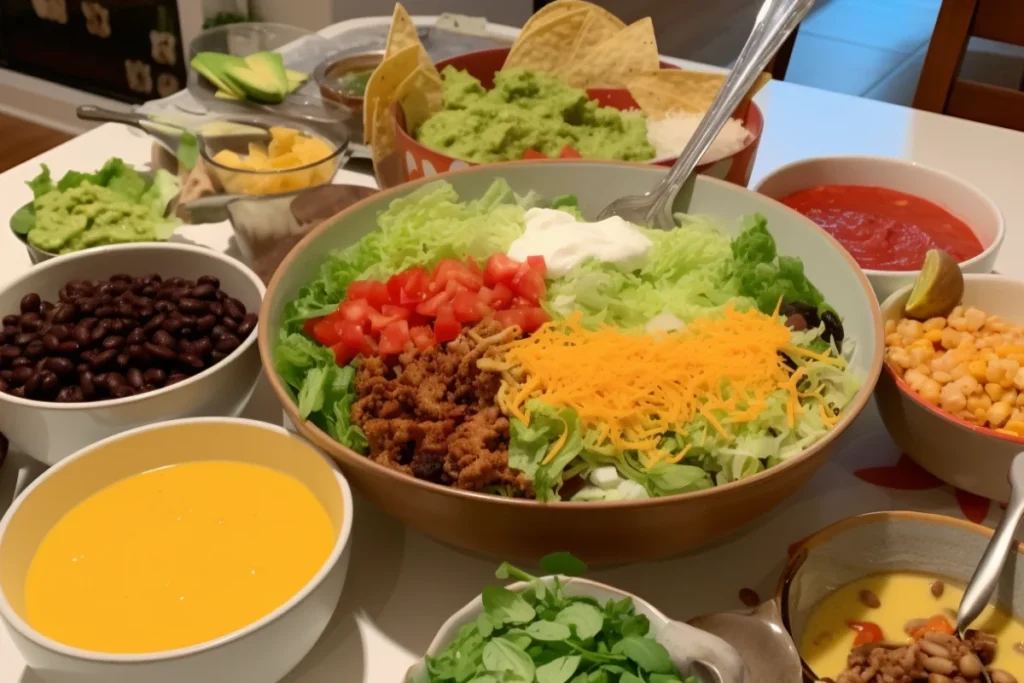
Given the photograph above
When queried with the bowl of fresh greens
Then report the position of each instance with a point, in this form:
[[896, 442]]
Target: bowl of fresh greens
[[561, 628], [116, 204]]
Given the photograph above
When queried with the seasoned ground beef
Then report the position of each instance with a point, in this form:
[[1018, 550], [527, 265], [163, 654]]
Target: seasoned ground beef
[[432, 415]]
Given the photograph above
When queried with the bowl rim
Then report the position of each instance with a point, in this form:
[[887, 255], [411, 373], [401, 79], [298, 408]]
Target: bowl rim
[[340, 545], [352, 459], [41, 268], [907, 166], [333, 61], [299, 31], [890, 303]]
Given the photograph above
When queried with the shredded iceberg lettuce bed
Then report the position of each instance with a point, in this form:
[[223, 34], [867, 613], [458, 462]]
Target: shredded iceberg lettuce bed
[[692, 272]]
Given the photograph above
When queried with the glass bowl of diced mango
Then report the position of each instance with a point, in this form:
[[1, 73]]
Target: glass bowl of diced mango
[[283, 158]]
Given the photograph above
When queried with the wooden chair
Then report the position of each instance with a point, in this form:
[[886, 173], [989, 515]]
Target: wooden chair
[[940, 88]]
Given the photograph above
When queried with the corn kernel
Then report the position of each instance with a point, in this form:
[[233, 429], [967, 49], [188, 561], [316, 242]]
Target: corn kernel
[[929, 325], [998, 414], [934, 336], [994, 391], [1015, 426]]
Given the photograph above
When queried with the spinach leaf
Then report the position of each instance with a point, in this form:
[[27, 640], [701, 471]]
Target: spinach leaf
[[648, 653], [558, 670], [563, 563], [548, 631], [586, 619], [505, 607], [503, 655]]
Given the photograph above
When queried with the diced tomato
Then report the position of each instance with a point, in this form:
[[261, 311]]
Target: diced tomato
[[474, 267], [500, 268], [450, 270], [422, 336], [355, 311], [867, 632], [352, 336], [343, 354], [388, 315], [409, 287], [375, 293], [501, 296], [469, 307], [937, 624], [538, 264], [446, 327], [534, 154], [528, 283], [394, 338], [520, 302], [417, 320], [325, 332], [431, 306], [528, 319], [569, 153], [308, 326]]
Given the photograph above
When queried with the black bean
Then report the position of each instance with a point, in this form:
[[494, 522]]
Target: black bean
[[833, 329], [4, 387], [17, 391], [35, 349], [123, 360], [21, 375], [202, 347], [190, 363], [99, 333], [11, 330], [7, 374], [227, 343], [148, 291], [9, 351], [163, 339], [205, 291], [104, 359], [30, 303], [175, 378], [136, 336], [190, 305], [51, 342], [60, 366], [208, 280], [247, 325], [216, 309], [138, 354], [125, 309], [46, 309], [121, 277], [154, 376], [113, 342], [61, 332], [24, 338], [172, 325], [86, 381], [134, 377], [164, 306], [107, 311], [161, 352], [217, 356], [32, 385], [48, 382], [154, 323], [11, 320], [234, 308], [122, 391], [81, 335], [68, 348], [86, 306], [21, 361], [229, 323], [71, 394], [113, 379], [31, 322]]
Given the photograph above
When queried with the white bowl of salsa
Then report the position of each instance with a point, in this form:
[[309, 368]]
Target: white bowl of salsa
[[888, 213]]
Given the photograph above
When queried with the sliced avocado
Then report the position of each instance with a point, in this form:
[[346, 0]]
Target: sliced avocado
[[295, 78], [257, 87], [212, 66], [269, 65]]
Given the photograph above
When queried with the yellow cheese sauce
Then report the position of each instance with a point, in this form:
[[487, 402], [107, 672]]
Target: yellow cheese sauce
[[175, 557], [827, 639]]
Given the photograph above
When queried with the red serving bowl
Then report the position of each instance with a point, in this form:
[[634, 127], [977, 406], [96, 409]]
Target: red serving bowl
[[418, 161]]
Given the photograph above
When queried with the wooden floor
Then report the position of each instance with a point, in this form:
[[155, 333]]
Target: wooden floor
[[21, 140]]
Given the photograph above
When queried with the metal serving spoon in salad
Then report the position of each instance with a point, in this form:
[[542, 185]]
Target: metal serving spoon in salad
[[775, 21]]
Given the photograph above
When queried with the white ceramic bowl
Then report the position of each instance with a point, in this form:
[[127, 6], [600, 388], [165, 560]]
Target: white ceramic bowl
[[50, 431], [262, 652], [957, 196], [967, 456], [684, 642]]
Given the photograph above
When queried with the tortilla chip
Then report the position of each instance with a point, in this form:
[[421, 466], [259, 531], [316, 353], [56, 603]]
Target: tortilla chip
[[543, 48], [599, 27], [562, 7], [402, 33], [383, 84], [420, 95], [666, 91], [616, 60], [387, 162]]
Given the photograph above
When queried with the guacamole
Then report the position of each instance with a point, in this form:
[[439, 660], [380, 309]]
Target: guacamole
[[529, 110], [114, 205], [90, 216]]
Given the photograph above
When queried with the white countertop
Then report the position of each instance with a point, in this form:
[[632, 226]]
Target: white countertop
[[402, 586]]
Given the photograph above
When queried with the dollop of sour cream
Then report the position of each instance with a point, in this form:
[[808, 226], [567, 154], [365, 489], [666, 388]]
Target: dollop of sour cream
[[565, 242]]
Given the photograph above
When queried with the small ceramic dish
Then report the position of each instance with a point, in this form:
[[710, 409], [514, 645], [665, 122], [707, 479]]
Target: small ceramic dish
[[49, 431], [968, 456], [957, 196], [334, 76], [262, 652], [688, 646], [885, 542]]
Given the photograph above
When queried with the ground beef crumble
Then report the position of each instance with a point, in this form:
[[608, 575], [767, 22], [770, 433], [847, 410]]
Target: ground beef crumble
[[432, 415]]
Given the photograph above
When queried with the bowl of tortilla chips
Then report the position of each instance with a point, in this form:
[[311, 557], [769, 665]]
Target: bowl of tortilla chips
[[577, 83]]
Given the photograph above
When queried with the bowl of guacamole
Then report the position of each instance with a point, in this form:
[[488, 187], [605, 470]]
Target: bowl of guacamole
[[115, 205]]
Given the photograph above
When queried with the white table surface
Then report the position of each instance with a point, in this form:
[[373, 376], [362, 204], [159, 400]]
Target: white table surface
[[402, 586]]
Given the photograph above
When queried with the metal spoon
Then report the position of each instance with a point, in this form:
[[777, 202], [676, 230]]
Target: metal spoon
[[990, 569], [775, 21]]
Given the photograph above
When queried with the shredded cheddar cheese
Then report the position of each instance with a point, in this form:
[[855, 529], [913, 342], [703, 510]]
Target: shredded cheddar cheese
[[631, 388]]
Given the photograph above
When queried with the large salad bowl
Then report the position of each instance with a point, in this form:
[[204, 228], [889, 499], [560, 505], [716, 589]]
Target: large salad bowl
[[601, 532]]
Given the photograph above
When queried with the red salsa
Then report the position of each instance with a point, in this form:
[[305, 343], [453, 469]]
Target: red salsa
[[884, 229]]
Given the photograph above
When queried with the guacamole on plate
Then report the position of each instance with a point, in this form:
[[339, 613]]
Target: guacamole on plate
[[114, 205], [529, 110]]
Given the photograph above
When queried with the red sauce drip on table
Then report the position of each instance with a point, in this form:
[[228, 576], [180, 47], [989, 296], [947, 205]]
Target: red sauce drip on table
[[884, 229]]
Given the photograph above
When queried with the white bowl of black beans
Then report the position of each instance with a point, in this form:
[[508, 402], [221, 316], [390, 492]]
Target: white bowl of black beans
[[109, 339]]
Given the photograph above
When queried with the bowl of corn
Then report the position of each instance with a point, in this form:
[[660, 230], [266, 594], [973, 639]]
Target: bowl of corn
[[289, 157], [952, 391]]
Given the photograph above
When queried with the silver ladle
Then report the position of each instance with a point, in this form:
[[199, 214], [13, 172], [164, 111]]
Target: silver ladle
[[775, 21], [986, 577]]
